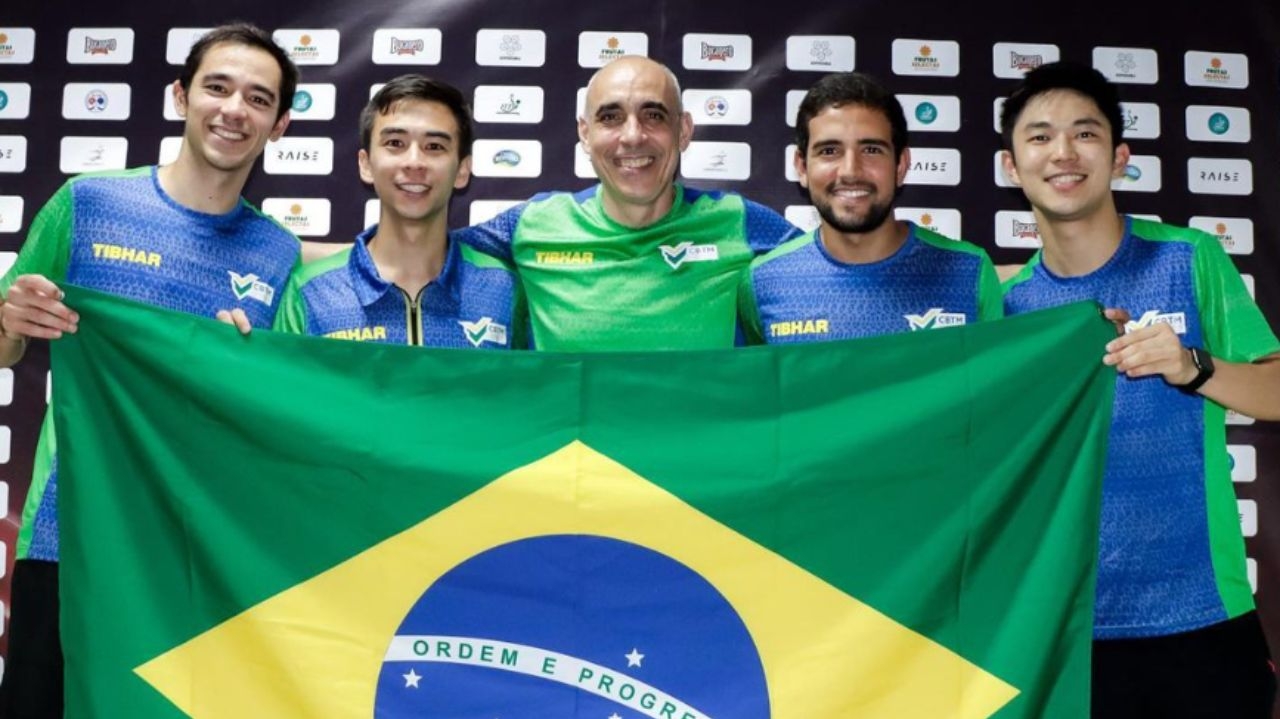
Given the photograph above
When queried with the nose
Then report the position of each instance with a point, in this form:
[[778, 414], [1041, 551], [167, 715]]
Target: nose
[[848, 167], [1064, 148], [234, 105], [631, 131], [415, 156]]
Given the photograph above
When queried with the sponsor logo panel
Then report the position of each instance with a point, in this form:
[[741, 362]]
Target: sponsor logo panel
[[407, 46], [1135, 65], [99, 46], [597, 49], [511, 48], [1012, 60], [939, 58], [820, 53], [716, 161], [506, 158], [716, 52], [91, 154]]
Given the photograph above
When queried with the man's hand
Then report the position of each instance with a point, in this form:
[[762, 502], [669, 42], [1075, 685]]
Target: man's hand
[[237, 318], [33, 308], [1152, 350]]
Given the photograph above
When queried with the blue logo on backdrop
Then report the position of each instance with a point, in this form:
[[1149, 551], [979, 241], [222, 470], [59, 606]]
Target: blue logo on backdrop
[[4, 99], [1219, 123], [571, 627], [926, 113], [302, 101]]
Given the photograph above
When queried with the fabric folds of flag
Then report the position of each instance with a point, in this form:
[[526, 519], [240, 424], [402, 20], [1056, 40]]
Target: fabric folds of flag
[[281, 526]]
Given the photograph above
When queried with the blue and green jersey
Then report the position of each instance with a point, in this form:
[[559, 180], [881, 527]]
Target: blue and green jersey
[[120, 233], [1171, 555], [800, 293], [476, 301]]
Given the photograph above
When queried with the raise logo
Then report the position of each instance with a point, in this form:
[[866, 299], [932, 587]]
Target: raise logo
[[934, 317], [688, 252], [484, 330], [1150, 318], [250, 287]]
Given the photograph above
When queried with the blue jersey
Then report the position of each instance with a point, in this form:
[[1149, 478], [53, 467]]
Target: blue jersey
[[800, 293], [1171, 556], [119, 233], [475, 302]]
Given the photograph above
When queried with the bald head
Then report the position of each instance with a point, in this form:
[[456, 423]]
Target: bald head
[[634, 128], [631, 68]]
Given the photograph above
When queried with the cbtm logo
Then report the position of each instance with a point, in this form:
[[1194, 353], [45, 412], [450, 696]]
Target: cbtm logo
[[484, 330], [1150, 318], [934, 318]]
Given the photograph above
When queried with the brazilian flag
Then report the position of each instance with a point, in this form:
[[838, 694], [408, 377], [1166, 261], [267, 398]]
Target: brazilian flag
[[277, 526]]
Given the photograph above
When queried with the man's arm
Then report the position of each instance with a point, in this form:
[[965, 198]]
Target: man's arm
[[32, 308], [1251, 388]]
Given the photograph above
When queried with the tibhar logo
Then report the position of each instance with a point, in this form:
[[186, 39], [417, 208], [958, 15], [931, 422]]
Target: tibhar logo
[[1027, 230], [821, 52], [118, 253], [934, 318], [716, 52], [484, 330], [688, 252], [250, 287], [790, 328], [1125, 64], [360, 334], [1025, 62], [99, 47], [407, 47], [1176, 320]]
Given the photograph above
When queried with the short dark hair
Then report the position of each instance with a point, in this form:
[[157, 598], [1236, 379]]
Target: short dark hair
[[418, 87], [1070, 76], [243, 33], [851, 88]]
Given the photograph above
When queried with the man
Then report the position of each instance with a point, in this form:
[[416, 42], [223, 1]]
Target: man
[[861, 273], [178, 236], [639, 261], [404, 281], [1175, 631]]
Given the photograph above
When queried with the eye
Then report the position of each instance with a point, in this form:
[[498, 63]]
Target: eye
[[394, 143], [261, 101], [437, 147], [873, 150], [656, 116], [609, 118], [215, 88]]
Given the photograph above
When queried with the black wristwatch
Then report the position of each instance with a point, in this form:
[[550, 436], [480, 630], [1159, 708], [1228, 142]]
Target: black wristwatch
[[1204, 369]]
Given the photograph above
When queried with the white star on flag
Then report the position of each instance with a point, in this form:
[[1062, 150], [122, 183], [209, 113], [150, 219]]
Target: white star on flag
[[411, 679], [614, 716], [633, 659]]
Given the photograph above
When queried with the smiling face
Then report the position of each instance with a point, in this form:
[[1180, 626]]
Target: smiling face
[[412, 161], [231, 109], [849, 167], [634, 131], [1062, 157]]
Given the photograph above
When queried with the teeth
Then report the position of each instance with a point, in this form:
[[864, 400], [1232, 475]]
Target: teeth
[[231, 135], [412, 187], [634, 162], [1066, 179]]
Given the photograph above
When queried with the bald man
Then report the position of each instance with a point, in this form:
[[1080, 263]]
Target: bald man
[[639, 261]]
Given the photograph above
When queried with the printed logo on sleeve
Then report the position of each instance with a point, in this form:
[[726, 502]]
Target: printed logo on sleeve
[[794, 328]]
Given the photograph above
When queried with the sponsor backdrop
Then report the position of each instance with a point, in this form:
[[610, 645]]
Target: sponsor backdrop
[[85, 87]]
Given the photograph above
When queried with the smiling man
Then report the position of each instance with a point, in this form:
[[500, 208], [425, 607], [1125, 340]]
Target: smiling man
[[638, 261], [179, 237], [1174, 627], [861, 272], [404, 281]]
